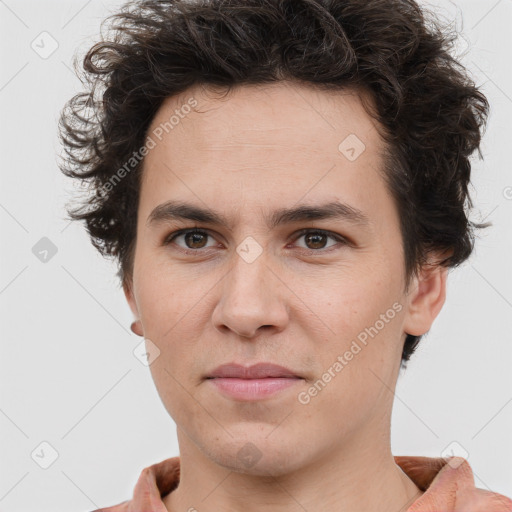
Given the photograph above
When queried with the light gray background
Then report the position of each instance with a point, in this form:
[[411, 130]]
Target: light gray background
[[68, 373]]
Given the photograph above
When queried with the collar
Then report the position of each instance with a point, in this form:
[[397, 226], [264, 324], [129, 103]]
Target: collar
[[447, 485]]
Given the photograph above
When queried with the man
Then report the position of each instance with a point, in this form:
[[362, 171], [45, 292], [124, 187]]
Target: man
[[283, 184]]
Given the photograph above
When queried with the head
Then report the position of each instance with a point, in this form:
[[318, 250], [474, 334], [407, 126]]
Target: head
[[248, 108]]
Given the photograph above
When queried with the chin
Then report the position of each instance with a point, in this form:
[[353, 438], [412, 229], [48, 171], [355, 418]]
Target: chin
[[259, 456]]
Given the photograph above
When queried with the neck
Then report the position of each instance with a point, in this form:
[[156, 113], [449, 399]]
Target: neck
[[354, 477]]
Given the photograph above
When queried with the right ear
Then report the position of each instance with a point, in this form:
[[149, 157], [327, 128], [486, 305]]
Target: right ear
[[136, 326], [128, 293]]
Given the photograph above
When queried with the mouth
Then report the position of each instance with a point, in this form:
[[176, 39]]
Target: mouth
[[253, 389], [255, 382], [255, 371]]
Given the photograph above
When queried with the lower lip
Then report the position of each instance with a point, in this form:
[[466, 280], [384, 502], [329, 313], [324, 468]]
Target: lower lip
[[253, 389]]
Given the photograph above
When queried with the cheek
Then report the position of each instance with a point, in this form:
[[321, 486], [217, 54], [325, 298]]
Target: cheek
[[166, 306], [360, 317], [358, 364], [168, 313], [166, 295], [347, 300]]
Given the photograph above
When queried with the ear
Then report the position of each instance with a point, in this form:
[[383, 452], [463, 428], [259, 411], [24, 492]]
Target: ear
[[136, 326], [425, 299], [128, 293]]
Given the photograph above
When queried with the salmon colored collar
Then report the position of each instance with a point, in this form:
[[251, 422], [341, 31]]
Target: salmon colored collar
[[447, 485]]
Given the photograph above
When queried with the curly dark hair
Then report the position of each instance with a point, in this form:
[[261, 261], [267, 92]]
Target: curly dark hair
[[429, 110]]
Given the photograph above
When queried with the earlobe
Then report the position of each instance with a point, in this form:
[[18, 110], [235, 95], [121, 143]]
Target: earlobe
[[136, 328], [425, 300]]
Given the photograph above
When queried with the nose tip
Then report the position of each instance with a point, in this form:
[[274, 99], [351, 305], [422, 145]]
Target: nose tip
[[247, 334], [242, 332], [243, 335]]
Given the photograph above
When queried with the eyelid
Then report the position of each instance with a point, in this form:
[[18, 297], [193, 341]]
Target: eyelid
[[339, 238]]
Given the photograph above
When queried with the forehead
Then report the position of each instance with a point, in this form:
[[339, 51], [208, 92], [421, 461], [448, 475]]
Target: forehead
[[273, 143], [265, 115]]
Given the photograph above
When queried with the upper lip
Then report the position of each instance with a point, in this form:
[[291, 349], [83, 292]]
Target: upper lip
[[256, 371]]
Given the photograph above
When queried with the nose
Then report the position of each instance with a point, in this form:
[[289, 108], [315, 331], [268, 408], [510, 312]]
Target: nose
[[253, 299]]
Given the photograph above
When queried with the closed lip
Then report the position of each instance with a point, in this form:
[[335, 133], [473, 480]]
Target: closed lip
[[256, 371]]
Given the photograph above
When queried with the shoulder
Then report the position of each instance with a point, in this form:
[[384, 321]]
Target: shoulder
[[449, 486]]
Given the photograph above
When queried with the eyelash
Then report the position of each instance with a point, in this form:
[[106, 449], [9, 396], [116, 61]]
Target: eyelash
[[341, 240]]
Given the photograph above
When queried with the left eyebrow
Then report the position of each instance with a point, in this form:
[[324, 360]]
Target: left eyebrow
[[179, 210]]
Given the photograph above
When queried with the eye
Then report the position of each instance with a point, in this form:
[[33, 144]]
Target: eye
[[194, 239], [316, 238]]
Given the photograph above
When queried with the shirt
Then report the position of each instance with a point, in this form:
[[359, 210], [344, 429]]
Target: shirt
[[447, 485]]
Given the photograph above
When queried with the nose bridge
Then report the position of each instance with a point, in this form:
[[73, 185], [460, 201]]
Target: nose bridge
[[249, 275], [250, 293]]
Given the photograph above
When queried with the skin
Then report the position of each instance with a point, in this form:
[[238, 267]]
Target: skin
[[300, 303]]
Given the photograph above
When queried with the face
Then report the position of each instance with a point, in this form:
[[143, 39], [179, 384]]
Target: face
[[320, 294]]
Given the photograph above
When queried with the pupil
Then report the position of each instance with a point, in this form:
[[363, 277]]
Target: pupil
[[315, 235], [194, 236]]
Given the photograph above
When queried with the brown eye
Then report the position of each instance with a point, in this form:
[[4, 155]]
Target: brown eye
[[316, 240], [193, 239]]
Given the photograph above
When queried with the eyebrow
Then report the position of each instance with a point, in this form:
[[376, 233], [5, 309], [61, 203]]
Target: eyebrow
[[179, 210]]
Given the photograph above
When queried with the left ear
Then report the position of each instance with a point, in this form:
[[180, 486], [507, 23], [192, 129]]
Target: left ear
[[425, 299]]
